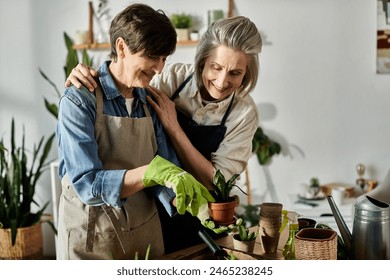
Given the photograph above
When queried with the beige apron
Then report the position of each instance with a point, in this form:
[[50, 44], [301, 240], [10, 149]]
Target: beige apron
[[105, 232]]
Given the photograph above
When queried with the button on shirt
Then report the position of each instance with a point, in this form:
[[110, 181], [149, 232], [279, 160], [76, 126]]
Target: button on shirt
[[236, 148], [77, 147]]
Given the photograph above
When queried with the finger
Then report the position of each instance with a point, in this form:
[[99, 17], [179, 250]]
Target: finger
[[82, 75], [180, 206], [88, 76], [205, 193], [152, 103], [155, 91], [156, 95]]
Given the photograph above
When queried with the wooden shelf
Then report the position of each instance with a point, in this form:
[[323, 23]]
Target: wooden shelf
[[187, 43], [92, 46], [96, 46]]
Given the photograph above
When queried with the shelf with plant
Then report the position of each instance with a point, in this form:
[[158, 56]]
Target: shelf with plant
[[182, 23]]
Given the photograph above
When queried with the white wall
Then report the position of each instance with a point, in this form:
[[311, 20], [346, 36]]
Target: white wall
[[318, 94]]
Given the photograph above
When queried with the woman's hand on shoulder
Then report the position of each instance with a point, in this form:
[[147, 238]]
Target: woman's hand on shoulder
[[82, 75], [164, 107]]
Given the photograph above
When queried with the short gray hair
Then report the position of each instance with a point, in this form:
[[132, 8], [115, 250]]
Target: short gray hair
[[237, 33]]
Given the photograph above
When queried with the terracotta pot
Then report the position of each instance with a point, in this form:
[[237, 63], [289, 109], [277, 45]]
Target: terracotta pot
[[28, 243], [244, 246], [222, 213]]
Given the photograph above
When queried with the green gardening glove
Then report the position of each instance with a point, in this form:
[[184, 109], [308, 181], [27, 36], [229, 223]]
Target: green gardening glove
[[190, 194]]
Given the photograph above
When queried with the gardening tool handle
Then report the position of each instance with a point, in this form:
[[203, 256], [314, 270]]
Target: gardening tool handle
[[215, 249]]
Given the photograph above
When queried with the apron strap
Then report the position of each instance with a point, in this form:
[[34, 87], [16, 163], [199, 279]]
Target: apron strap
[[99, 98], [91, 222], [116, 225], [180, 88], [227, 113]]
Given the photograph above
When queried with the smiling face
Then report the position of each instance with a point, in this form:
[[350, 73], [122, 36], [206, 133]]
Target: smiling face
[[139, 68], [223, 72]]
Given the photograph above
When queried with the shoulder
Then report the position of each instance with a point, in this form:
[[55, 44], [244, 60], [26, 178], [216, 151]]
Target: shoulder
[[172, 76], [78, 96], [247, 107]]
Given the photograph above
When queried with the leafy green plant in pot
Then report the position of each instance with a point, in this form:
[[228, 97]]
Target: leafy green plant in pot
[[223, 209], [19, 175], [182, 23], [244, 239]]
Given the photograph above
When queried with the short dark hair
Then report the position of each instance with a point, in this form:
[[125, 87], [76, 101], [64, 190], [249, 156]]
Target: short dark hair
[[143, 29]]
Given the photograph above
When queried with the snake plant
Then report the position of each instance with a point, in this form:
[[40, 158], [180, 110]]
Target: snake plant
[[222, 188], [19, 175]]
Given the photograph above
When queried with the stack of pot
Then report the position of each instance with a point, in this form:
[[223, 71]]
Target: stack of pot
[[269, 225]]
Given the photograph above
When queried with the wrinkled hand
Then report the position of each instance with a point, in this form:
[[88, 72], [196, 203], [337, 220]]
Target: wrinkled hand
[[190, 194], [165, 109], [82, 75]]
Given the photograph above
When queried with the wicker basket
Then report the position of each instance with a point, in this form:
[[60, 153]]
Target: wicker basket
[[28, 243], [316, 244]]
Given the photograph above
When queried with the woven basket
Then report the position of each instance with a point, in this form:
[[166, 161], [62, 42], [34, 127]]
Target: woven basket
[[28, 245], [316, 244]]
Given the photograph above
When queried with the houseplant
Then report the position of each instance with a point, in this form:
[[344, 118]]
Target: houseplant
[[244, 239], [263, 147], [223, 209], [19, 175], [182, 23], [72, 60]]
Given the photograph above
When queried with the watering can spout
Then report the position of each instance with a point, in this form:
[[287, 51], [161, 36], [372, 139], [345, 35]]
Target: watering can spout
[[343, 228]]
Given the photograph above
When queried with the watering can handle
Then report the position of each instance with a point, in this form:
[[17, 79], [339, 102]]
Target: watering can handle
[[343, 228]]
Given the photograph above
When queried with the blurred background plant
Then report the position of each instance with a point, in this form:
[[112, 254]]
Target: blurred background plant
[[72, 60]]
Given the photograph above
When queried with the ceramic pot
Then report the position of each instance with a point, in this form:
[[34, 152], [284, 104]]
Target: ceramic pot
[[222, 213], [182, 34]]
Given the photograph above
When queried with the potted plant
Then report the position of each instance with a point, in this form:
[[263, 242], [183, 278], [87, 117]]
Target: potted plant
[[223, 209], [314, 187], [244, 239], [263, 147], [21, 233], [182, 23]]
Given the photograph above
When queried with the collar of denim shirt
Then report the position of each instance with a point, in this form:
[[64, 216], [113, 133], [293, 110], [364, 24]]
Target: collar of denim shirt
[[111, 90]]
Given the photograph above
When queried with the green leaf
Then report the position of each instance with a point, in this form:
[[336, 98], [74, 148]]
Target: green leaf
[[18, 178], [52, 108], [71, 59]]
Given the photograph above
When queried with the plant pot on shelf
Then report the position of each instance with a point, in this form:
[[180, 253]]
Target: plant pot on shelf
[[28, 245], [182, 34], [244, 246], [222, 213]]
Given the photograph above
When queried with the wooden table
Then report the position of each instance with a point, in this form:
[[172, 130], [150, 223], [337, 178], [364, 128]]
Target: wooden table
[[202, 252]]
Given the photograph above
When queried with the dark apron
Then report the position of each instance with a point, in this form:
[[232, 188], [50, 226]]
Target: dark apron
[[181, 231], [205, 138]]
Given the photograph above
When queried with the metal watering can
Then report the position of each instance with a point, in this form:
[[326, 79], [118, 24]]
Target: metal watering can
[[370, 238]]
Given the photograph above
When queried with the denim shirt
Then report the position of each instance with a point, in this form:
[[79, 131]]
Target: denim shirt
[[78, 149]]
